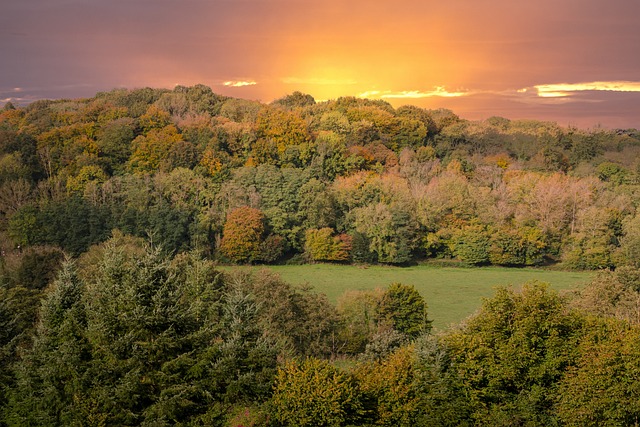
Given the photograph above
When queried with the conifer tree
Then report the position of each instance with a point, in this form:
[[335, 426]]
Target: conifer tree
[[52, 376]]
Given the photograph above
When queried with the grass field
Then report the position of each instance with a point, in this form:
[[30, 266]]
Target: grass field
[[451, 293]]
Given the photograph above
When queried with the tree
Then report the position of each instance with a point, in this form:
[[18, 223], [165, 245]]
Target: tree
[[151, 152], [245, 363], [403, 309], [630, 242], [52, 379], [242, 235], [357, 310], [315, 393], [513, 353], [393, 387], [168, 345], [322, 245], [277, 130], [301, 321], [593, 244], [114, 143], [602, 388], [295, 100], [72, 223], [517, 246], [446, 201], [154, 118], [389, 230], [471, 244], [317, 205], [38, 268], [611, 294]]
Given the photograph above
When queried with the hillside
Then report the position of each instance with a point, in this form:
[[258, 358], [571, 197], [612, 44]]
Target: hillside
[[116, 212], [347, 180]]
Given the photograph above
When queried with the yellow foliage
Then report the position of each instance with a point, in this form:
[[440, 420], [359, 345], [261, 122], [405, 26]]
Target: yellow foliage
[[211, 162]]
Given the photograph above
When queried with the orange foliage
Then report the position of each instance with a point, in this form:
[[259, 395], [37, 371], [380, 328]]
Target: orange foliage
[[242, 234]]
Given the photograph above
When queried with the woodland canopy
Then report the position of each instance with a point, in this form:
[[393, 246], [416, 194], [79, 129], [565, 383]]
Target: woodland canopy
[[116, 210]]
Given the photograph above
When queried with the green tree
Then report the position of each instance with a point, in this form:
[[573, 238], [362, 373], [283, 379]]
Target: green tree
[[301, 321], [602, 388], [72, 224], [594, 242], [168, 346], [630, 242], [471, 244], [357, 310], [52, 378], [402, 308], [512, 354], [295, 100], [389, 231], [517, 246], [114, 143]]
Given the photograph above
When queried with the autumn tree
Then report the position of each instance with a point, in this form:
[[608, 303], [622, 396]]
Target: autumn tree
[[393, 385], [322, 245], [242, 235], [277, 131], [151, 151], [315, 393]]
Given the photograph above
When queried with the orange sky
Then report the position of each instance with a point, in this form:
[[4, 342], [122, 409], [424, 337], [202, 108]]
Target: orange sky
[[571, 61]]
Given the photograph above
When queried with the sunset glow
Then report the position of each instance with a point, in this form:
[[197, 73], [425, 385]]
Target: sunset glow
[[495, 58], [412, 94]]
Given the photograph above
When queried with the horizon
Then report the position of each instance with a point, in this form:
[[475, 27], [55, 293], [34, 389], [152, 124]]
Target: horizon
[[571, 62], [395, 105]]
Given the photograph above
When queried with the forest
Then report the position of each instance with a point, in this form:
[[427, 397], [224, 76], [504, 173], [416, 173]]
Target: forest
[[116, 211]]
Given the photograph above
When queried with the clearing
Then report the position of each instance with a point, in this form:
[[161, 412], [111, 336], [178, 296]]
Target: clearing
[[451, 293]]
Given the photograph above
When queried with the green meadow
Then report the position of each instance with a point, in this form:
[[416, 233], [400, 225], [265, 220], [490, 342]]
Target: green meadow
[[451, 293]]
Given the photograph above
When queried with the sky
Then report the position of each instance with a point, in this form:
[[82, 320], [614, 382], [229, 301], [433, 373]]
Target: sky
[[575, 62]]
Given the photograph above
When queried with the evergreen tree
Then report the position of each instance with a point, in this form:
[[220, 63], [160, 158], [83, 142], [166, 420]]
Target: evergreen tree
[[52, 377]]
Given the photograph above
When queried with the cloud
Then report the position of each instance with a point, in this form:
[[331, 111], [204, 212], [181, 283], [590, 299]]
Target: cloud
[[559, 90], [438, 91], [239, 83], [18, 100]]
